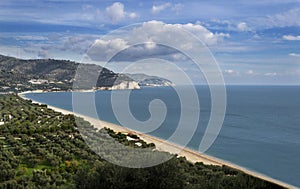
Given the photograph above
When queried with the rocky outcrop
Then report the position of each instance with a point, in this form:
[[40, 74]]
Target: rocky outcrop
[[121, 86]]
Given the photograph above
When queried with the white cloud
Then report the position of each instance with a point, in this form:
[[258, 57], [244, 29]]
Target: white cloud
[[174, 7], [87, 7], [157, 30], [232, 72], [291, 37], [159, 8], [242, 26], [288, 18], [77, 43], [202, 33], [56, 45], [229, 71], [133, 15], [294, 54], [106, 49], [229, 25], [230, 47], [151, 33], [179, 56], [177, 7], [150, 45], [271, 74], [32, 38], [250, 72], [116, 13]]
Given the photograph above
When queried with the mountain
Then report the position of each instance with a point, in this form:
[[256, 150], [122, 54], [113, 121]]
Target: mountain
[[146, 80], [18, 75], [48, 74]]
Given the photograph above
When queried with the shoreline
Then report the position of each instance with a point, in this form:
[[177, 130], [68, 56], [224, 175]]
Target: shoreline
[[162, 145]]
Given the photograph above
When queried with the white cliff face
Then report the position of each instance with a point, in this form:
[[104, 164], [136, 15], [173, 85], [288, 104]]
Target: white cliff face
[[123, 85], [126, 85], [160, 84]]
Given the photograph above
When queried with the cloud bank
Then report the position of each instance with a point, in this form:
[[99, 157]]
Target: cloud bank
[[151, 32]]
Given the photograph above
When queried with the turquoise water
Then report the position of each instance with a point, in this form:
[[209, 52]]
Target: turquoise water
[[261, 130]]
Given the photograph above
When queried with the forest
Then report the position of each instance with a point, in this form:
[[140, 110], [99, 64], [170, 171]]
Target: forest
[[41, 148]]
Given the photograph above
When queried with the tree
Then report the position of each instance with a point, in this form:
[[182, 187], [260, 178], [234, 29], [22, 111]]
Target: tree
[[6, 171], [40, 178]]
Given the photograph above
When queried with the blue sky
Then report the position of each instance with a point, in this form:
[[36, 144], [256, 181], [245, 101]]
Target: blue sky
[[253, 42]]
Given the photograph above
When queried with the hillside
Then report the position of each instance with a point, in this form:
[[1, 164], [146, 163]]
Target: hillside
[[18, 75], [49, 74]]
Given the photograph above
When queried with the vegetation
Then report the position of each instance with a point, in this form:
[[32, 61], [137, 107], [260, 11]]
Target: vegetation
[[41, 148], [18, 75]]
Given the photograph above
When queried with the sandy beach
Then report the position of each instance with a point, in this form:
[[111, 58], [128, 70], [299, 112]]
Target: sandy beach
[[162, 145]]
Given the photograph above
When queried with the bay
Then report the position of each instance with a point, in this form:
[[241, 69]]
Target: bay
[[261, 130]]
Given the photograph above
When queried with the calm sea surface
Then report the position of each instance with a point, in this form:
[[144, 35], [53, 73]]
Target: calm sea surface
[[261, 130]]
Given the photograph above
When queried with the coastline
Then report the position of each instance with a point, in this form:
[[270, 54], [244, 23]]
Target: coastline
[[162, 145]]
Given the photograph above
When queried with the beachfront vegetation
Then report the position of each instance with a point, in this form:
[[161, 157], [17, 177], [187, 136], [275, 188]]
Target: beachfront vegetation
[[41, 148]]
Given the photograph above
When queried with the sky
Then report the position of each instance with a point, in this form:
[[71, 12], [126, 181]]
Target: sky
[[253, 42]]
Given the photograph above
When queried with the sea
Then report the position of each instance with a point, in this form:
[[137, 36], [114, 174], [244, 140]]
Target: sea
[[261, 128]]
